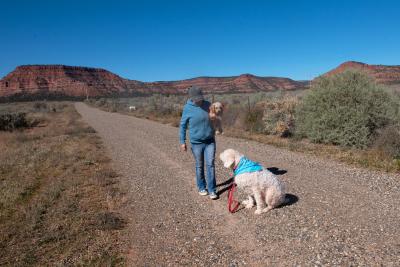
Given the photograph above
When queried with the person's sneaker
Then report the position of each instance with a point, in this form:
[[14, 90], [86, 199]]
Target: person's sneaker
[[203, 193], [213, 196]]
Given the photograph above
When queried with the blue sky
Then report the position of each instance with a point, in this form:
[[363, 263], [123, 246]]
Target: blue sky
[[172, 40]]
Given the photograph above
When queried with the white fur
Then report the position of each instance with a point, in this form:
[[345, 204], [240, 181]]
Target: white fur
[[215, 114], [131, 108], [263, 187]]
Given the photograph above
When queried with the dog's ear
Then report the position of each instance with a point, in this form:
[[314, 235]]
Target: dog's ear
[[212, 108], [237, 157], [224, 106], [228, 164], [228, 158]]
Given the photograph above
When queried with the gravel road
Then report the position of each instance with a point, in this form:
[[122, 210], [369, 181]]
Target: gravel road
[[338, 216]]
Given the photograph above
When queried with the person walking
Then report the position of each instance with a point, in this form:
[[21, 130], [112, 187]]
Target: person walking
[[202, 140]]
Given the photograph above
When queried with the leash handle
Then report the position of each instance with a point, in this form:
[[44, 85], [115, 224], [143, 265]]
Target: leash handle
[[231, 200]]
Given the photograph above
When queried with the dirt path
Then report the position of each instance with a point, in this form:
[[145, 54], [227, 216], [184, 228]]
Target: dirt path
[[340, 215]]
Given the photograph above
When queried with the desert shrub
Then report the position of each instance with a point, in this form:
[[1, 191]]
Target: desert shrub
[[254, 120], [279, 116], [246, 116], [236, 101], [40, 106], [345, 109], [152, 103], [388, 140], [11, 121], [114, 105], [170, 111], [101, 102], [232, 115], [58, 107], [257, 97]]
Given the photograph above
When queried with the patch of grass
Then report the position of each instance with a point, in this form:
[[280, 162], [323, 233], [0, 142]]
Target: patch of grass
[[12, 121], [109, 221], [55, 208], [29, 191]]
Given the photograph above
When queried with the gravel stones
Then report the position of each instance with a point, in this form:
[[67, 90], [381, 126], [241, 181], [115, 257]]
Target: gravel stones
[[339, 215]]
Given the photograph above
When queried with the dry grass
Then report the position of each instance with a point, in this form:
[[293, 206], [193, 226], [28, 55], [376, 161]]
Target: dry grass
[[59, 197]]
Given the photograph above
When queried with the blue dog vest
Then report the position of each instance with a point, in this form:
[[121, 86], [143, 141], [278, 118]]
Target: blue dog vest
[[246, 165]]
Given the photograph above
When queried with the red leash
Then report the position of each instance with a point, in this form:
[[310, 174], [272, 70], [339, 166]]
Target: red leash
[[231, 200]]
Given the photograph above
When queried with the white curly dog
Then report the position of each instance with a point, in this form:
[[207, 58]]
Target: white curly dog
[[262, 186]]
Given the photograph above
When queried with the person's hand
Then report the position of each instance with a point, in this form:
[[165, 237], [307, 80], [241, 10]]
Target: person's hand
[[183, 147]]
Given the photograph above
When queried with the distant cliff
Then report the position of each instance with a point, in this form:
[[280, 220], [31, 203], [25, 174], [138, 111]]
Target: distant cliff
[[59, 80], [62, 80]]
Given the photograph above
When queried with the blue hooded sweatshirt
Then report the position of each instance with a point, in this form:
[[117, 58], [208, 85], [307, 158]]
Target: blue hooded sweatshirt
[[200, 130]]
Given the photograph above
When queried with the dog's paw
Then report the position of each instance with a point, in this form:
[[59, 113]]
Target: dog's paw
[[248, 204], [266, 209], [258, 212]]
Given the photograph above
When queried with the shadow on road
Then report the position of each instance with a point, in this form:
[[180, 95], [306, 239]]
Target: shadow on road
[[227, 185], [277, 171], [290, 200], [227, 182]]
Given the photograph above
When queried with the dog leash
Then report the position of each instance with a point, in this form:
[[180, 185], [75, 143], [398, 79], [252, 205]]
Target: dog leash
[[233, 204]]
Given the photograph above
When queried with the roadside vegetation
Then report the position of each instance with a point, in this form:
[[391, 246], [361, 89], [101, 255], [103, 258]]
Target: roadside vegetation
[[346, 117], [59, 197]]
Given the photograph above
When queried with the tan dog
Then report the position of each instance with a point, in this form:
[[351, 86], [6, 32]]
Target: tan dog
[[215, 114]]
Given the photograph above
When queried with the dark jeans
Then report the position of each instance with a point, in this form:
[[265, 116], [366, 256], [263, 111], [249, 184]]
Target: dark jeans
[[205, 152]]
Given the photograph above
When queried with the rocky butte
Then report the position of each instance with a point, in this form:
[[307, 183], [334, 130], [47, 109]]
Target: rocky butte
[[383, 74], [45, 81], [60, 80]]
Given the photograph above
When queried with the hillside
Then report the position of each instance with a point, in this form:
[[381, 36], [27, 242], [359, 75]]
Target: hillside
[[384, 74], [60, 80]]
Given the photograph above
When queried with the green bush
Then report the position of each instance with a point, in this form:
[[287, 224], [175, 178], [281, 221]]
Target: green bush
[[101, 102], [345, 109], [11, 121], [40, 106]]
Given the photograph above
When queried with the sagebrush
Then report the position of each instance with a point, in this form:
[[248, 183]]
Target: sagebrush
[[279, 116], [345, 109]]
